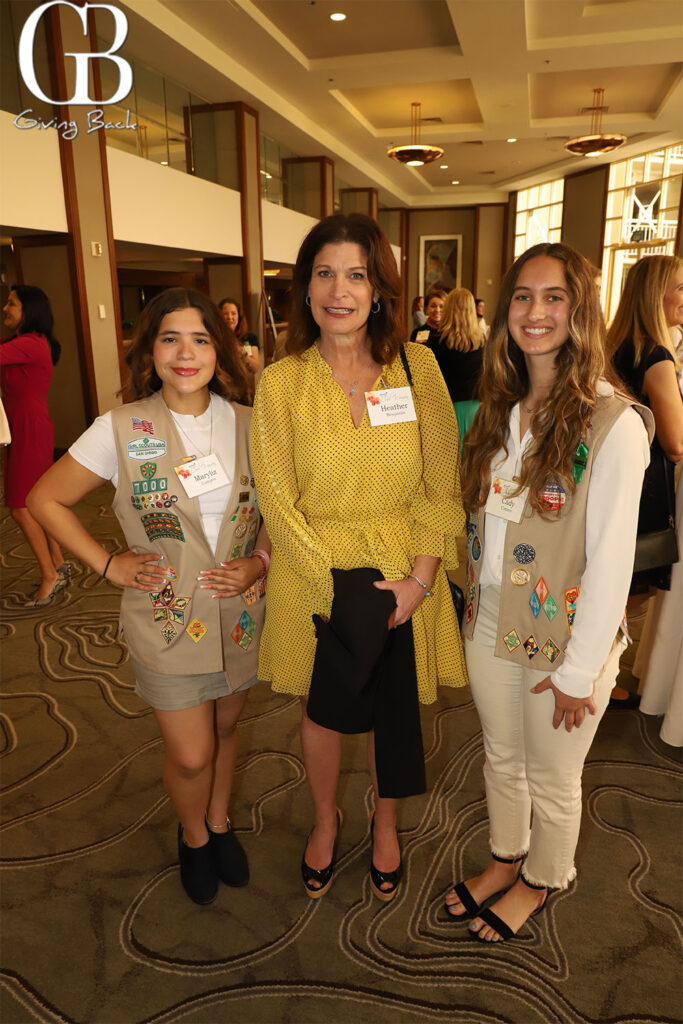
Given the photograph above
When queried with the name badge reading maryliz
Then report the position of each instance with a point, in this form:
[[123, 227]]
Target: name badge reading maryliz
[[503, 503], [199, 476], [393, 405]]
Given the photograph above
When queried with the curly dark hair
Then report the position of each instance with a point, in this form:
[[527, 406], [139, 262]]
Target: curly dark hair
[[385, 328], [229, 378]]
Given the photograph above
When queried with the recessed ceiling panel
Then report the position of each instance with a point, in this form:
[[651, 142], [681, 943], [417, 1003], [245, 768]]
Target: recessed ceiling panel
[[388, 107], [628, 90], [371, 26]]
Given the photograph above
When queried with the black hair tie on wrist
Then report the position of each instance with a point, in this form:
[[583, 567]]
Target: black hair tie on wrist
[[104, 572]]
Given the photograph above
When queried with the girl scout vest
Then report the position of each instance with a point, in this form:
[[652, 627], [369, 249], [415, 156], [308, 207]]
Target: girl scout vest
[[544, 559], [182, 629]]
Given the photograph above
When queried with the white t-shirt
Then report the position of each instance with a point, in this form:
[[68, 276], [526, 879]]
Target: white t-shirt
[[213, 431], [611, 522]]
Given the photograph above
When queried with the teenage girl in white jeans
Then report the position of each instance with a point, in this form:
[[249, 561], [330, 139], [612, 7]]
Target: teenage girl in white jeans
[[552, 473]]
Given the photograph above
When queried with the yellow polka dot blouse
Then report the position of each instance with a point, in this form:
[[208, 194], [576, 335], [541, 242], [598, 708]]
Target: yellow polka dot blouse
[[336, 496]]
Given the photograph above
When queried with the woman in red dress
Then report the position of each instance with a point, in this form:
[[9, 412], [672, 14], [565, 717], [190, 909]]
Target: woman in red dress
[[27, 357]]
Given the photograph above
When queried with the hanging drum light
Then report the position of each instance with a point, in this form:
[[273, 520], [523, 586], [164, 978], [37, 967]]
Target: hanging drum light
[[417, 153]]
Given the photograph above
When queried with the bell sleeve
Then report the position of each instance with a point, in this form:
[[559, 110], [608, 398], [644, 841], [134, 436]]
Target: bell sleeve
[[436, 509], [272, 459]]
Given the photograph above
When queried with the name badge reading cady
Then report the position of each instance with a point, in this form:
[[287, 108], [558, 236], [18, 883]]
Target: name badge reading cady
[[199, 476], [393, 405], [502, 502]]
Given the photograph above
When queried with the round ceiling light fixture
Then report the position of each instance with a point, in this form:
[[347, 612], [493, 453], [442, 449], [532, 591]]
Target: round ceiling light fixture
[[417, 153], [511, 140], [598, 142], [338, 16]]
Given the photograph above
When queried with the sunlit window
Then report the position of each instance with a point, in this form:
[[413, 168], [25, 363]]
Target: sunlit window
[[539, 215]]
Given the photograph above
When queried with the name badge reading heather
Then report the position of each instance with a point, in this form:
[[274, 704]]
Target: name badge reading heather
[[393, 405], [199, 476], [502, 502]]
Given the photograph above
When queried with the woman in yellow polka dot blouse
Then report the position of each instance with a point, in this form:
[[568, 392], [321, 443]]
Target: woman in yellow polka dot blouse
[[339, 493]]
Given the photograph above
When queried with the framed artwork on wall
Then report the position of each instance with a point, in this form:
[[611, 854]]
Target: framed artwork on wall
[[440, 262]]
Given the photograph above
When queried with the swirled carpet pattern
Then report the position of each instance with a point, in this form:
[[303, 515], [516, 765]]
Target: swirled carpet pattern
[[96, 927]]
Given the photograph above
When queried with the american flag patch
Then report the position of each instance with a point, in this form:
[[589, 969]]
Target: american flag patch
[[146, 426]]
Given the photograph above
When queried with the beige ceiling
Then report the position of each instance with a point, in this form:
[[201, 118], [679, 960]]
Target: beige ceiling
[[489, 69]]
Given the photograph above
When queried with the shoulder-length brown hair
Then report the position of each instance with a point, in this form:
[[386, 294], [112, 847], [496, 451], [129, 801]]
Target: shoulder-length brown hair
[[242, 323], [640, 315], [459, 325], [559, 424], [229, 379], [385, 328]]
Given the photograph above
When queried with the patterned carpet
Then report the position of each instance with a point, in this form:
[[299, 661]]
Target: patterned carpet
[[96, 927]]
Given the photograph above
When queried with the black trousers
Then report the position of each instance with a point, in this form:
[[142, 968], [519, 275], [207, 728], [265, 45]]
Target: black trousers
[[364, 679]]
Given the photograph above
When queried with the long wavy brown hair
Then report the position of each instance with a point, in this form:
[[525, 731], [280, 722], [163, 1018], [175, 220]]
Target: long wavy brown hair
[[459, 325], [229, 379], [385, 327], [640, 315], [559, 424]]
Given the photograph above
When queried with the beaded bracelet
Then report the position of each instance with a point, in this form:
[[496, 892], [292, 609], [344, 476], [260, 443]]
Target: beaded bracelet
[[264, 559], [412, 576]]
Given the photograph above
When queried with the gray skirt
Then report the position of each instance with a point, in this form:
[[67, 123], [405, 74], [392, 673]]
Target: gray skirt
[[166, 692]]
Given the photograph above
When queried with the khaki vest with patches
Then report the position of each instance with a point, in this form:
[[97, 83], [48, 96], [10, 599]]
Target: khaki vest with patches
[[182, 629], [543, 562]]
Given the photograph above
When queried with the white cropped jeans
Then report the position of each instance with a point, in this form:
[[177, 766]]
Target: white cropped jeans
[[532, 771]]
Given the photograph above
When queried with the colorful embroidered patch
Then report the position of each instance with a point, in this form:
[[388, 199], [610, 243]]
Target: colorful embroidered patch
[[146, 426], [571, 596], [169, 632], [541, 589], [469, 574], [250, 595], [249, 547], [160, 614], [469, 612], [241, 638], [550, 607], [534, 604], [523, 554], [151, 486], [512, 640], [244, 480], [148, 469], [155, 598], [531, 647], [175, 615], [197, 630], [162, 524], [171, 573], [552, 497], [167, 594], [236, 551], [476, 548], [551, 650], [471, 528], [180, 602], [244, 496], [240, 530], [520, 576], [144, 448], [247, 623]]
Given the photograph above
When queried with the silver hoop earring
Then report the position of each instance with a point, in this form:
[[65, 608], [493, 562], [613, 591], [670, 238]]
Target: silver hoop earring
[[372, 307], [308, 301]]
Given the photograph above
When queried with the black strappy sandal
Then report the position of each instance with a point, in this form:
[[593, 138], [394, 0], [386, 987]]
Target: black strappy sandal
[[504, 930], [472, 908], [379, 878], [323, 876]]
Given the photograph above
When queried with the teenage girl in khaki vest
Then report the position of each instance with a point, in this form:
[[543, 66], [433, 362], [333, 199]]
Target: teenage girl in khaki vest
[[178, 456], [552, 473]]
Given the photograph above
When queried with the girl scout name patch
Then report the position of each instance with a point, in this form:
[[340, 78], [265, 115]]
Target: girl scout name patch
[[143, 448]]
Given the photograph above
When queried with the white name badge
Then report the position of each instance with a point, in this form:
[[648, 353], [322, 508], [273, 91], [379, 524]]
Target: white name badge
[[199, 476], [422, 336], [503, 503], [393, 405]]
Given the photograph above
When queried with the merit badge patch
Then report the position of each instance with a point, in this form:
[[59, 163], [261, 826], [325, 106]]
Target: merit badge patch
[[244, 480], [534, 604], [249, 547], [552, 497], [144, 448], [247, 623], [197, 630], [151, 486], [162, 524], [250, 596], [520, 576], [550, 607], [541, 590], [571, 596], [146, 426], [476, 548], [240, 530], [236, 551], [167, 594], [512, 640], [160, 614], [244, 496], [530, 646], [241, 637], [171, 573], [551, 650], [148, 470], [523, 554], [169, 632]]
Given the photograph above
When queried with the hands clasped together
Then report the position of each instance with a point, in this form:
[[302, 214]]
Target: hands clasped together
[[143, 572]]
